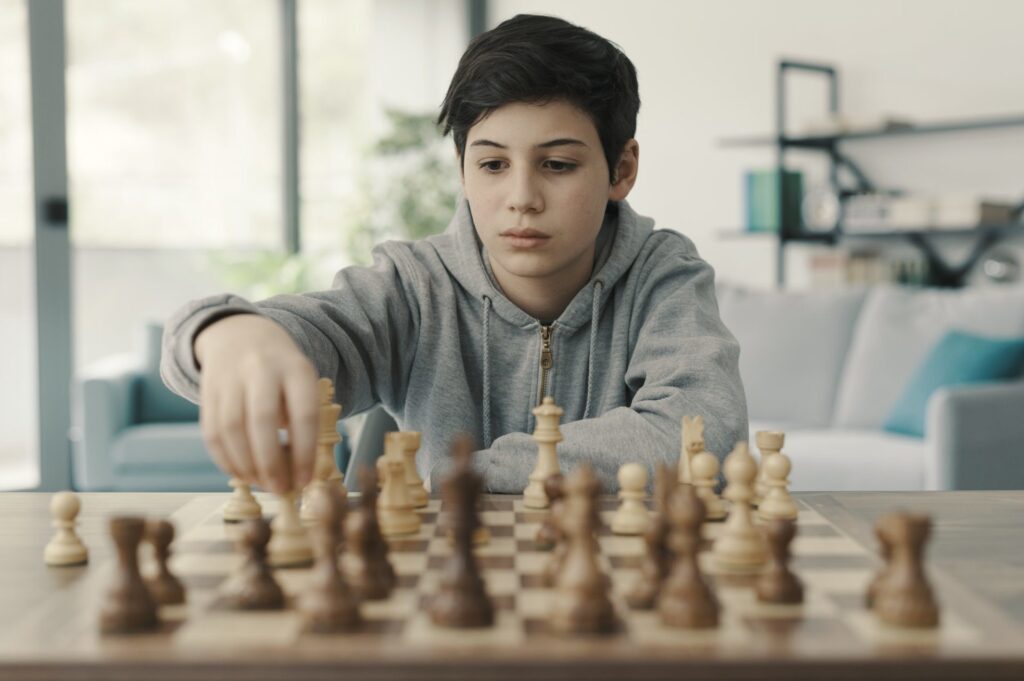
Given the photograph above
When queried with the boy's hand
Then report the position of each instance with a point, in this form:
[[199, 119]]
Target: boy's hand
[[254, 379]]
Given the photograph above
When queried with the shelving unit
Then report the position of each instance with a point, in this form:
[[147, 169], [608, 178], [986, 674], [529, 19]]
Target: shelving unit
[[941, 272]]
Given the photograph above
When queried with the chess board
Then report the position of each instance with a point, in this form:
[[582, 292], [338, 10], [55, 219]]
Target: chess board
[[832, 621]]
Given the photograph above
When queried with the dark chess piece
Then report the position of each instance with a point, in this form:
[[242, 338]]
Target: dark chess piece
[[166, 588], [547, 534], [904, 598], [686, 600], [462, 600], [367, 568], [778, 584], [581, 604], [657, 559], [128, 605], [328, 604], [885, 551], [252, 586]]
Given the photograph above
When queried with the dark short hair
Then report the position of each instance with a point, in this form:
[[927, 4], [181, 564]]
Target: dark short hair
[[538, 59]]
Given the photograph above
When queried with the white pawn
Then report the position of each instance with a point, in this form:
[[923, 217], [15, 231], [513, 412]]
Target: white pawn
[[66, 548], [770, 442], [704, 468], [777, 503], [289, 544], [395, 509], [411, 441], [242, 505], [631, 516], [741, 546]]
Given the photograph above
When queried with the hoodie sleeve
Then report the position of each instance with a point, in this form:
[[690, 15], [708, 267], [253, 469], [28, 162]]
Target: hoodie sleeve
[[361, 333], [684, 362]]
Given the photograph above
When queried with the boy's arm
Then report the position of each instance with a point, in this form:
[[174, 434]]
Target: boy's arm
[[685, 362], [361, 333]]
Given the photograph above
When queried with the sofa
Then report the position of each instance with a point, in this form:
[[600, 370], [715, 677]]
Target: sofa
[[827, 368], [131, 433]]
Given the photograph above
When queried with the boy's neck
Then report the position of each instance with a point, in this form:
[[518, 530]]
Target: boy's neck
[[544, 298]]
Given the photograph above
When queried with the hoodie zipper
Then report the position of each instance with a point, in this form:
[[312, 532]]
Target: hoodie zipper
[[545, 360]]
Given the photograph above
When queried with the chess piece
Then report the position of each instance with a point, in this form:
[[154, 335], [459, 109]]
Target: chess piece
[[547, 436], [741, 546], [770, 443], [166, 588], [328, 604], [885, 552], [411, 441], [904, 598], [252, 586], [325, 468], [693, 444], [242, 505], [128, 606], [395, 509], [686, 600], [581, 603], [66, 547], [548, 534], [657, 557], [365, 561], [462, 600], [289, 542], [631, 516], [778, 584], [777, 503], [705, 471]]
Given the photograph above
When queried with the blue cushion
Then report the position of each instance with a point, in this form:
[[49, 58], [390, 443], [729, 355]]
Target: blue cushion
[[958, 358]]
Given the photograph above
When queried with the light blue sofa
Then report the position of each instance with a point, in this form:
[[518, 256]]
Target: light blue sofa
[[133, 434]]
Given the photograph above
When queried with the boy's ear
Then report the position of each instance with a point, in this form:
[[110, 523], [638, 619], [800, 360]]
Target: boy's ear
[[625, 172]]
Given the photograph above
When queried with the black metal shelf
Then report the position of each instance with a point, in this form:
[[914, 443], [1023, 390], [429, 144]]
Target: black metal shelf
[[941, 273]]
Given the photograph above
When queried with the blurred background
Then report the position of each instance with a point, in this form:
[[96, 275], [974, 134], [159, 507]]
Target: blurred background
[[153, 151]]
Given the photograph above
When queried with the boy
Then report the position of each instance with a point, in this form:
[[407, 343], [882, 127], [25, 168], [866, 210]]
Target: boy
[[546, 282]]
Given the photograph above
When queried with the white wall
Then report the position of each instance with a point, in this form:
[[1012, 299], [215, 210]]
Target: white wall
[[706, 71]]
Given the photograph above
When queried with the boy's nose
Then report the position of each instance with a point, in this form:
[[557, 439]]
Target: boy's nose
[[525, 196]]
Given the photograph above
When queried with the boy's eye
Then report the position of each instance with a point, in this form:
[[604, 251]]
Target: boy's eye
[[557, 166]]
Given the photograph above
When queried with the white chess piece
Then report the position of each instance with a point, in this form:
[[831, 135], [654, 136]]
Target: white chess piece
[[325, 469], [693, 444], [631, 516], [777, 503], [395, 509], [547, 436], [242, 505], [741, 546], [65, 548], [705, 469], [289, 544], [411, 441], [770, 443]]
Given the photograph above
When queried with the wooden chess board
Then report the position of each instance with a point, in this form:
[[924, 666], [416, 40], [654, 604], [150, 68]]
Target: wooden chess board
[[830, 627]]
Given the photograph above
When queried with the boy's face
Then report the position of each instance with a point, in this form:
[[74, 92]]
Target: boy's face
[[540, 168]]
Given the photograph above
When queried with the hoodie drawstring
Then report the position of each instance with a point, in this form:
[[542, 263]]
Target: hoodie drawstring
[[487, 373], [595, 313]]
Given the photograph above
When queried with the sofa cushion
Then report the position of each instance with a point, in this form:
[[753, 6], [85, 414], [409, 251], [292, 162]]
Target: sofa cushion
[[792, 348], [957, 359], [897, 328], [154, 402], [838, 460], [165, 446]]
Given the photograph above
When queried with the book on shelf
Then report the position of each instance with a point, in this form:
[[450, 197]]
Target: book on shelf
[[761, 199]]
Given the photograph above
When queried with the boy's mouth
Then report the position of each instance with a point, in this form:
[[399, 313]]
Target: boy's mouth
[[524, 238]]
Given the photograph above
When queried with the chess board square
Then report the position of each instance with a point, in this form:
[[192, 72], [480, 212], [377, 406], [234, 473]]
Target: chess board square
[[235, 629], [619, 545], [836, 582], [951, 632], [506, 631], [527, 563], [408, 563], [502, 582], [526, 531], [830, 546], [497, 518]]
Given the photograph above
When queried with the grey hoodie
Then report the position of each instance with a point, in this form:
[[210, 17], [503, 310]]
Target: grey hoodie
[[426, 332]]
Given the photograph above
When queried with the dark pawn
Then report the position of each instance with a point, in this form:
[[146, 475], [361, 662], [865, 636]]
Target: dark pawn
[[885, 551], [686, 600], [904, 598], [548, 535], [778, 584], [367, 567], [462, 601], [328, 604], [657, 559], [165, 587], [128, 606], [253, 586]]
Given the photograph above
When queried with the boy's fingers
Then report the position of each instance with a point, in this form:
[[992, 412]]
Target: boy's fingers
[[231, 429], [301, 402], [263, 406], [211, 435]]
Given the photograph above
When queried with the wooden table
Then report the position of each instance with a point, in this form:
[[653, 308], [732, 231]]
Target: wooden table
[[975, 562]]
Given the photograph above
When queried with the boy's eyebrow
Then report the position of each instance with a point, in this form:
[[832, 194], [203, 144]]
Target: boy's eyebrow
[[560, 142]]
